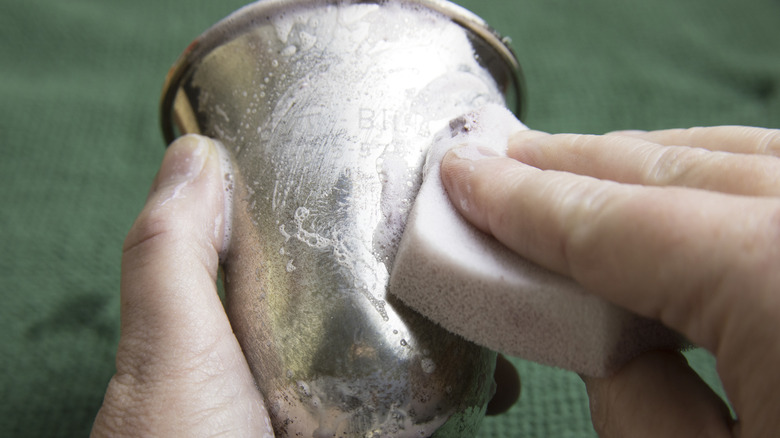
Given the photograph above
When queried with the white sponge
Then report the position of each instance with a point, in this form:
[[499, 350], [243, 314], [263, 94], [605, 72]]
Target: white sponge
[[472, 285]]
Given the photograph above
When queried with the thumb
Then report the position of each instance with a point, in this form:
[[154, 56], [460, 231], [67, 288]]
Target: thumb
[[170, 256], [180, 369]]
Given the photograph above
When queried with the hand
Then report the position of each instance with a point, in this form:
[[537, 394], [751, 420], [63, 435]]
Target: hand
[[678, 225], [180, 370]]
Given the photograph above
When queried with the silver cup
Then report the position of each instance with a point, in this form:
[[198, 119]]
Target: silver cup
[[327, 108]]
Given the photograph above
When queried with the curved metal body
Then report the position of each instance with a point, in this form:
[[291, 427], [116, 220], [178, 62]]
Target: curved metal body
[[326, 109]]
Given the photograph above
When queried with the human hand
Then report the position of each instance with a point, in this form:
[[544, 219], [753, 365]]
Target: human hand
[[678, 225], [180, 370]]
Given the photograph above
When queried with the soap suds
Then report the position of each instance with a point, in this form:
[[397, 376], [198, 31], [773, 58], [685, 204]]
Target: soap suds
[[226, 218]]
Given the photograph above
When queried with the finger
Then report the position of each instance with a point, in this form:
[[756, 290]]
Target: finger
[[737, 139], [657, 394], [180, 370], [170, 257], [671, 254], [636, 160]]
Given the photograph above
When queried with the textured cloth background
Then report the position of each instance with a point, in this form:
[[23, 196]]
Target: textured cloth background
[[79, 88]]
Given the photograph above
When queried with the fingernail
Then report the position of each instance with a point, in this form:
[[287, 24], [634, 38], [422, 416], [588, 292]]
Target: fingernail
[[527, 138], [456, 170], [458, 167], [474, 152], [184, 160]]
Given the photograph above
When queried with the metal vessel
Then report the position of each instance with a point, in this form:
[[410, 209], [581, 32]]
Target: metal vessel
[[326, 109]]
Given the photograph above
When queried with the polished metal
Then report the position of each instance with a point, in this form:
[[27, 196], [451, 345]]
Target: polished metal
[[326, 109]]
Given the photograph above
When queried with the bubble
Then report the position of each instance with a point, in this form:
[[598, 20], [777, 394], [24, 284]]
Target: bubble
[[301, 213], [307, 40]]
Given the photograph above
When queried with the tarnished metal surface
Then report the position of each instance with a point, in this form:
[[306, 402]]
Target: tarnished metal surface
[[326, 109]]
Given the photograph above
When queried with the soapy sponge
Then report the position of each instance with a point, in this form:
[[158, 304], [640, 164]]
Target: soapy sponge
[[472, 285]]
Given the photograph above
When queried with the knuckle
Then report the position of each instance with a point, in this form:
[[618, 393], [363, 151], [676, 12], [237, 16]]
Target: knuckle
[[146, 228], [672, 165], [153, 232], [769, 142], [579, 142], [159, 227], [494, 199], [584, 208]]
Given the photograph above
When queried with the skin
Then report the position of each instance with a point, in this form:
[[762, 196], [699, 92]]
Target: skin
[[653, 227], [678, 225], [180, 370]]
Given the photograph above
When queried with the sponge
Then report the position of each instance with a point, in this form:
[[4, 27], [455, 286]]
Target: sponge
[[474, 286]]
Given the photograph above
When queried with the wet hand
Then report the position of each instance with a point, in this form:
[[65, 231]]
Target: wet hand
[[179, 368], [678, 225]]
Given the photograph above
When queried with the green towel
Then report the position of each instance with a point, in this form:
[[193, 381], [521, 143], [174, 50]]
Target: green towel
[[79, 89]]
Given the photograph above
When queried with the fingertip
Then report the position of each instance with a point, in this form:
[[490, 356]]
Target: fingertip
[[455, 173], [172, 251], [183, 161], [474, 152], [461, 164], [482, 185], [454, 164], [463, 173], [188, 195]]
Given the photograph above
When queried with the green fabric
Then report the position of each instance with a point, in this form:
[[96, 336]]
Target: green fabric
[[79, 87]]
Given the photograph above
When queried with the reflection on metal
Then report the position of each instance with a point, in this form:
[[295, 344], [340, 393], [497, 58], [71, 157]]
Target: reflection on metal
[[326, 109]]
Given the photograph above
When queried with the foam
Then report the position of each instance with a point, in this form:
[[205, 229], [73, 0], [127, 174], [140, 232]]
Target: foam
[[474, 286], [226, 167]]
